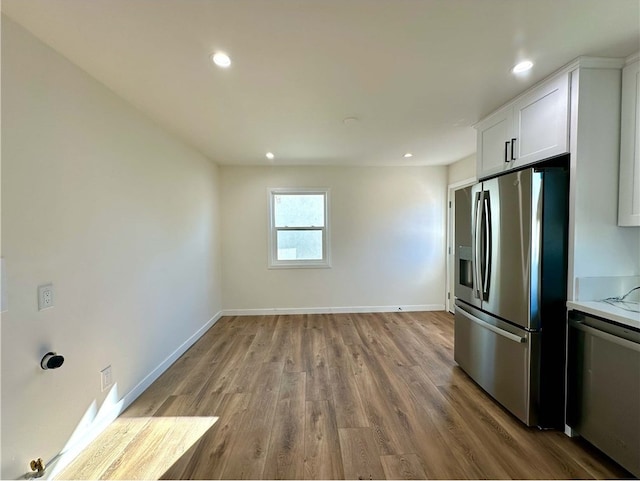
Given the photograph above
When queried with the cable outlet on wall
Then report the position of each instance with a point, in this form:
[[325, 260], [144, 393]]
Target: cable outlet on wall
[[106, 378], [45, 296]]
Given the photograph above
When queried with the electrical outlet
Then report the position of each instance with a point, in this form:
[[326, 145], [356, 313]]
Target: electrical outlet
[[45, 296], [106, 378]]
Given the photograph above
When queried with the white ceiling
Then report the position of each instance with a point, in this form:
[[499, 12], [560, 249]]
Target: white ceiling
[[416, 73]]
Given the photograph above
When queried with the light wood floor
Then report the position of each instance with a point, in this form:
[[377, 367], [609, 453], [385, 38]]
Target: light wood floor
[[355, 396]]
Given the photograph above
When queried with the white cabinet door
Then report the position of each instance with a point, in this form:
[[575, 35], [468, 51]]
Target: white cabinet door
[[494, 134], [629, 194], [532, 128], [541, 128]]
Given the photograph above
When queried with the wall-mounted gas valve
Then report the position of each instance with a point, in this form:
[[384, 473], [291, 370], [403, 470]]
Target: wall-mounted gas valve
[[51, 360]]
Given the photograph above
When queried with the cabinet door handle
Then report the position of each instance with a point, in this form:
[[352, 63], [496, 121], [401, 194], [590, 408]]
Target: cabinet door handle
[[513, 143], [506, 148]]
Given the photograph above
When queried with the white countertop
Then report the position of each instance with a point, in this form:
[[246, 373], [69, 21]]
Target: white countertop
[[606, 311]]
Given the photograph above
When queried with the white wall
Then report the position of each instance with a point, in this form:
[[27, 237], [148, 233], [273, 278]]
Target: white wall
[[121, 217], [600, 248], [462, 170], [387, 239]]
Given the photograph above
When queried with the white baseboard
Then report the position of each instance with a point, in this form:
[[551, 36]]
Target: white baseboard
[[569, 431], [112, 408], [164, 365], [331, 310]]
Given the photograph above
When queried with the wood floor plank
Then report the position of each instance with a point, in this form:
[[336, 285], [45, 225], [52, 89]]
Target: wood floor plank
[[330, 329], [207, 458], [315, 365], [369, 327], [516, 461], [294, 356], [157, 446], [566, 465], [389, 434], [347, 329], [244, 380], [336, 348], [328, 397], [359, 454], [470, 451], [247, 454], [281, 341], [417, 425], [350, 412], [215, 375], [403, 466], [259, 350], [285, 458], [245, 325], [313, 321], [106, 450], [426, 352], [322, 458], [220, 380], [594, 462], [532, 451], [522, 440]]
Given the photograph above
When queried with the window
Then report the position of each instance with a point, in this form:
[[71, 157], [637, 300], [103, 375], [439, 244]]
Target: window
[[299, 228]]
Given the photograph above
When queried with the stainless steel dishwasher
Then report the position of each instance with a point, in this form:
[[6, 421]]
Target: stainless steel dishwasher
[[603, 387]]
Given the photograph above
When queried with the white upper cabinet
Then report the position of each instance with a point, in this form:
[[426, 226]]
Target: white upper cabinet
[[542, 122], [533, 127], [629, 193], [494, 134]]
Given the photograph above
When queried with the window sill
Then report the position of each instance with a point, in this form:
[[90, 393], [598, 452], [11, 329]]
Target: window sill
[[300, 265]]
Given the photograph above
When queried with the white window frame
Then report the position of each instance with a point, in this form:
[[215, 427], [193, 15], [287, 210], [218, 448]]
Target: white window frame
[[274, 263]]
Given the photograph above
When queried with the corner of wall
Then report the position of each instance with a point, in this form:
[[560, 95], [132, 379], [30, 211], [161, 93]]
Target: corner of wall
[[462, 170]]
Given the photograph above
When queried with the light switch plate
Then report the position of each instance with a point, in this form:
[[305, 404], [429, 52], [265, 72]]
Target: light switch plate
[[45, 296]]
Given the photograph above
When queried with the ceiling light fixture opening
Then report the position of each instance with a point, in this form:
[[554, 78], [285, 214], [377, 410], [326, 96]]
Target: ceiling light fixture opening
[[522, 66], [221, 59], [270, 155], [408, 155]]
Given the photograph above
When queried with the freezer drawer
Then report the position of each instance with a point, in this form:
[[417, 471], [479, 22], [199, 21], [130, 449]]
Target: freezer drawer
[[603, 388], [498, 357]]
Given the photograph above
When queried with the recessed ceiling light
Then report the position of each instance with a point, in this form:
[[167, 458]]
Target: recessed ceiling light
[[221, 59], [270, 155], [350, 120], [408, 155], [522, 66]]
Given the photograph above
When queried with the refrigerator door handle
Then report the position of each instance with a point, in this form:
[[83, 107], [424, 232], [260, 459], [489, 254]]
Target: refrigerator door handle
[[486, 212], [492, 328], [477, 274]]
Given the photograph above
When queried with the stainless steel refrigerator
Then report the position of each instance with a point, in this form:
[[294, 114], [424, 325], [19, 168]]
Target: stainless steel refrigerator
[[511, 264]]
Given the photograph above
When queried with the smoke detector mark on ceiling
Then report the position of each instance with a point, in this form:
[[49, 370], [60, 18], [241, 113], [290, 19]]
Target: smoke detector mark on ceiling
[[350, 120]]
